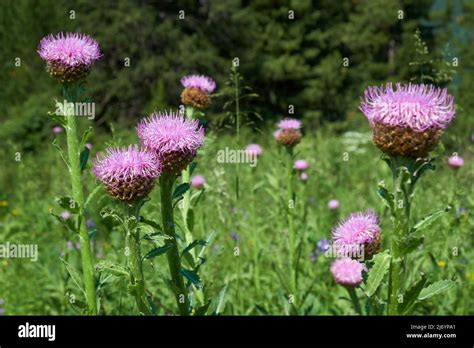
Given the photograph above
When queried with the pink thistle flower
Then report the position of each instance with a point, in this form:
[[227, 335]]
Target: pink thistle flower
[[289, 123], [358, 230], [198, 182], [65, 215], [89, 146], [456, 161], [333, 204], [304, 177], [202, 82], [276, 134], [57, 129], [254, 150], [408, 120], [301, 165], [172, 137], [417, 107], [69, 56], [127, 173], [347, 272]]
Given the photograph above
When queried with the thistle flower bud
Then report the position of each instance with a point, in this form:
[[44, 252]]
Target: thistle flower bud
[[196, 90], [128, 174], [173, 138], [359, 230], [347, 272], [69, 56], [408, 120], [456, 162], [198, 182]]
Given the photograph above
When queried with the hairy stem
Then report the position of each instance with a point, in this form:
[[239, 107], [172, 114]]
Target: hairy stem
[[174, 260], [70, 95], [134, 258], [355, 300], [291, 226]]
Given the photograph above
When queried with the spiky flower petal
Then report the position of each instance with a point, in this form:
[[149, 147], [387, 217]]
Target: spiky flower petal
[[359, 230], [69, 56], [347, 272], [127, 173], [202, 82], [407, 120], [289, 123], [288, 133], [173, 138]]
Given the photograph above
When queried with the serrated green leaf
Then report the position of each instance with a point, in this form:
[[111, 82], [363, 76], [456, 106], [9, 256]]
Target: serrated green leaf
[[58, 118], [410, 244], [180, 190], [112, 268], [377, 272], [158, 251], [68, 203], [76, 278], [436, 288], [429, 219]]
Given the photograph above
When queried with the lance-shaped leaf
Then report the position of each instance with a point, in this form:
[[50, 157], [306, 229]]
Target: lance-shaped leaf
[[158, 251], [180, 190], [429, 219], [436, 288], [385, 195], [377, 272]]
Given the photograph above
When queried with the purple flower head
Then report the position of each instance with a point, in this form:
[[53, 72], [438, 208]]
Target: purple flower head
[[198, 182], [69, 245], [333, 204], [254, 150], [172, 137], [65, 215], [289, 123], [234, 236], [90, 223], [418, 107], [323, 245], [70, 49], [347, 272], [304, 177], [202, 82], [89, 146], [57, 129], [456, 161], [301, 165], [127, 173], [358, 230]]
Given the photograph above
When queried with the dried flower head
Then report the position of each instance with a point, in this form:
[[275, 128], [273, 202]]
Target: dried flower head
[[408, 120], [196, 90], [129, 173], [173, 138], [69, 56], [347, 272], [359, 230]]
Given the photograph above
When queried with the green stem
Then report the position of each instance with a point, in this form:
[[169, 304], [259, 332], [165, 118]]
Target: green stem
[[237, 124], [134, 258], [174, 260], [355, 300], [290, 217], [78, 196]]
